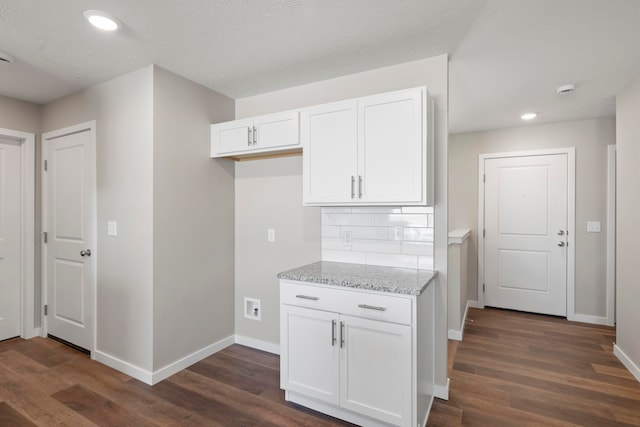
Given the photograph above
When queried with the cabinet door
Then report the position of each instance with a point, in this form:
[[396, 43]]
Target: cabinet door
[[231, 137], [392, 147], [277, 130], [309, 353], [330, 144], [375, 369]]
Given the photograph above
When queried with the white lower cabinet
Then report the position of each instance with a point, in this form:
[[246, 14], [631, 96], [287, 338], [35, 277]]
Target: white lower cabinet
[[353, 354]]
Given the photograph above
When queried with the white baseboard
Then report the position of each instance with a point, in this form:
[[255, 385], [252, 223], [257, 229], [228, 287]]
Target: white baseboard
[[35, 332], [627, 362], [152, 378], [473, 304], [185, 362], [455, 335], [124, 367], [585, 318], [258, 344], [442, 391]]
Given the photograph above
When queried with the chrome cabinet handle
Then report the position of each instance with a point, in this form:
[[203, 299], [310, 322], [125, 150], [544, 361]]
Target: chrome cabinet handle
[[341, 334], [372, 307], [255, 135], [307, 297], [359, 186], [353, 184], [249, 136], [333, 332], [560, 243], [85, 252]]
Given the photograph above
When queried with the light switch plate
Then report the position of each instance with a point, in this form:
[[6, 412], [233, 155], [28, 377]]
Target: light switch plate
[[593, 226], [112, 228]]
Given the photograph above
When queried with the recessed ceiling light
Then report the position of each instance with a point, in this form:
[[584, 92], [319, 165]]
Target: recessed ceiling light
[[102, 20], [528, 116]]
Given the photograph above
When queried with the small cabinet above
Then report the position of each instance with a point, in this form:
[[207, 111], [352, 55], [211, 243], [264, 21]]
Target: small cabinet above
[[375, 150], [252, 136]]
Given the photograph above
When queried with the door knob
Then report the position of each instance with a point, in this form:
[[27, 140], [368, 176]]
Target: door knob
[[560, 243], [560, 232], [85, 253]]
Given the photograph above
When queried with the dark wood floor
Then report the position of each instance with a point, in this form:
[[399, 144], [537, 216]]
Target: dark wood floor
[[512, 369]]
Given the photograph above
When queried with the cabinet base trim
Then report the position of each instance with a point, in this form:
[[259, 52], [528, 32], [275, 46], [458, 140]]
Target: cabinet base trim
[[442, 391], [334, 411]]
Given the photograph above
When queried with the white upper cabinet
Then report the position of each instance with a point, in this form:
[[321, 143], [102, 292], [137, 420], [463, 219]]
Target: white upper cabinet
[[369, 151], [272, 132]]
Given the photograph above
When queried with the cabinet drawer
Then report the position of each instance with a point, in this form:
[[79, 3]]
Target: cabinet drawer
[[386, 308]]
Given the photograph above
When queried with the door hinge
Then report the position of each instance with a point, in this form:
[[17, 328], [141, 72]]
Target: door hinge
[[45, 236], [45, 165], [483, 287], [484, 232], [484, 177], [46, 309]]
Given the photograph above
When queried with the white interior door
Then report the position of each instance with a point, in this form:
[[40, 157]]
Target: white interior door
[[526, 226], [10, 237], [70, 247]]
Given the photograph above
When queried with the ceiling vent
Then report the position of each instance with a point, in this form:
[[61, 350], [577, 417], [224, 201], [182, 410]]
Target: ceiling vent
[[5, 57], [564, 89]]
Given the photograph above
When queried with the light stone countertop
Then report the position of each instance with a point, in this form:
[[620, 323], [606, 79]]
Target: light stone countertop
[[405, 281]]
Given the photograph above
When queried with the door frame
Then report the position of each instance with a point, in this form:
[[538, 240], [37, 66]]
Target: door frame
[[90, 127], [27, 235], [571, 217], [611, 235]]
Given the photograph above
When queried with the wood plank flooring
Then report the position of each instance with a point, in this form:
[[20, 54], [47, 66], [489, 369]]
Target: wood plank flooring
[[512, 369]]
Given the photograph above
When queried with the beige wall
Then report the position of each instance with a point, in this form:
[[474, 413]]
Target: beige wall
[[628, 230], [432, 72], [26, 117], [123, 110], [590, 137], [193, 222], [269, 195]]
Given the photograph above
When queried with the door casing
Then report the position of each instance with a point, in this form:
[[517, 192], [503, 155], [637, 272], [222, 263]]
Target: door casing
[[27, 285], [571, 218], [89, 126]]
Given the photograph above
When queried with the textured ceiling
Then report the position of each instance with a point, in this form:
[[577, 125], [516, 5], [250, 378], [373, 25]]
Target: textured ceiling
[[507, 56]]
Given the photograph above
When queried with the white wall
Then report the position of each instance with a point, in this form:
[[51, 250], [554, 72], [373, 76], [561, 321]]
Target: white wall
[[628, 229], [590, 137], [193, 221], [25, 117], [432, 72], [123, 110]]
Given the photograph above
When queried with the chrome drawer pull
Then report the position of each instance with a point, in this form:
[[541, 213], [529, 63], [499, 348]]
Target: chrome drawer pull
[[333, 332], [307, 297], [372, 307]]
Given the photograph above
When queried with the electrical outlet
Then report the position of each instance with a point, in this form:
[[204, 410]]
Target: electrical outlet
[[252, 308], [397, 233], [271, 234], [347, 238]]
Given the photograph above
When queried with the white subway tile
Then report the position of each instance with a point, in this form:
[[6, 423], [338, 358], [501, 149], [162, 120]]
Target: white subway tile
[[431, 221], [344, 256], [379, 233], [393, 260], [406, 220], [417, 248], [417, 209], [418, 234], [333, 243], [330, 231], [376, 210], [425, 263], [333, 210], [383, 246], [348, 219]]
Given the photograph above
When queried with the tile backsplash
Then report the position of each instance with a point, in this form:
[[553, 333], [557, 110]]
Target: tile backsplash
[[393, 236]]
